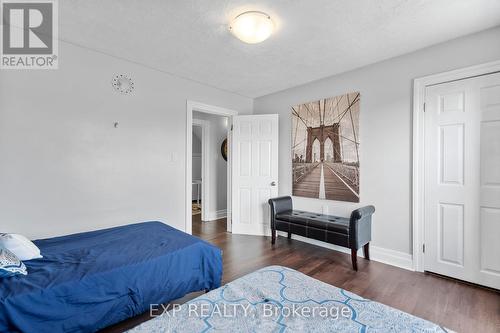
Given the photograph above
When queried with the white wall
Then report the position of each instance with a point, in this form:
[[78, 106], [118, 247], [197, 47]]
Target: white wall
[[385, 128], [197, 133], [217, 166], [64, 168]]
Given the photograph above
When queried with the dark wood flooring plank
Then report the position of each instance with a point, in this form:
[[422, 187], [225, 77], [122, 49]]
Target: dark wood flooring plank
[[456, 305]]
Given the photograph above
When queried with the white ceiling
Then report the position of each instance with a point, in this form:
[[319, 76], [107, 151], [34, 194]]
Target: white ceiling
[[314, 38]]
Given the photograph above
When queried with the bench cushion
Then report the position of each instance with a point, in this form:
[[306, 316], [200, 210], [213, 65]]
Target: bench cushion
[[319, 221]]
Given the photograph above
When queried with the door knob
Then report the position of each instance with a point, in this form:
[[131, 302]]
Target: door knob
[[273, 183]]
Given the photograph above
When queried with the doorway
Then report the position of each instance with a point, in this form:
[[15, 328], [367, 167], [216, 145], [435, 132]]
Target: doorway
[[460, 189], [209, 167], [252, 168], [208, 185]]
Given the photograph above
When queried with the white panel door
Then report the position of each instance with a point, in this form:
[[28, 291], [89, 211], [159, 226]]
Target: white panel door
[[254, 157], [462, 180]]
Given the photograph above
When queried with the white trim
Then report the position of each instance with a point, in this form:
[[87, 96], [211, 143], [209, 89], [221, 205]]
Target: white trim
[[205, 165], [206, 108], [391, 257], [419, 86], [229, 189], [380, 254], [218, 214]]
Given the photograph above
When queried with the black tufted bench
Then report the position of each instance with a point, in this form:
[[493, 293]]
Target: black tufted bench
[[353, 232]]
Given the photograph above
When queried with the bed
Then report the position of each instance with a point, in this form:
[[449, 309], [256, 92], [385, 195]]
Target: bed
[[91, 280], [279, 299]]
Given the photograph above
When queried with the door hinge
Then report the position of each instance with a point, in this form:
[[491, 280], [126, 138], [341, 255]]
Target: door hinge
[[424, 107], [231, 127], [423, 248]]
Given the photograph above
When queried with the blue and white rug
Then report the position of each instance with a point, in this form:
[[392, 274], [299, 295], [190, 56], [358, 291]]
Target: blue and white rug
[[280, 299]]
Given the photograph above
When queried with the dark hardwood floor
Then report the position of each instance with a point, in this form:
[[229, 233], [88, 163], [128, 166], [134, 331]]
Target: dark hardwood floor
[[452, 304]]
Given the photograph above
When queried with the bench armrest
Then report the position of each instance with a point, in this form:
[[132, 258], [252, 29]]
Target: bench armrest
[[360, 226], [279, 205]]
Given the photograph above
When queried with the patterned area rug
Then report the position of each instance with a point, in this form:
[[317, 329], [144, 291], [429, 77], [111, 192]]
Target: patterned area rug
[[279, 299]]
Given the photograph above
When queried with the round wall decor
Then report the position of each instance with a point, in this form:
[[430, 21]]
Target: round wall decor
[[122, 83]]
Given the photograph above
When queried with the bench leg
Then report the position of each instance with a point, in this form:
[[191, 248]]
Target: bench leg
[[354, 259], [273, 236], [289, 235], [366, 251]]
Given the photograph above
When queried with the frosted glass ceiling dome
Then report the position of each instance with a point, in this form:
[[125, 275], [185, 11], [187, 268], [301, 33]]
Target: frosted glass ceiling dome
[[252, 27]]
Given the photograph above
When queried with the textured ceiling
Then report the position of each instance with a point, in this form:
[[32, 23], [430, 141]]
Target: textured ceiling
[[313, 39]]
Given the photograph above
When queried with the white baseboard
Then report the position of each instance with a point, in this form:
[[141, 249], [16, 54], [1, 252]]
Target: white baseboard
[[392, 257], [219, 214], [380, 254]]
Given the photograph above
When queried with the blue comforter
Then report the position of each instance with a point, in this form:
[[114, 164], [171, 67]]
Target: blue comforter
[[91, 280]]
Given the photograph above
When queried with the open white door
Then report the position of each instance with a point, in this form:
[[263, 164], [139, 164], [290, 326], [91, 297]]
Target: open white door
[[254, 156]]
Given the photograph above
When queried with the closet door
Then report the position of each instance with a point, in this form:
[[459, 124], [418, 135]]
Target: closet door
[[462, 179]]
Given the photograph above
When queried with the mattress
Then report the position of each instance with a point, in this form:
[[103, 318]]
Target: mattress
[[91, 280], [279, 299]]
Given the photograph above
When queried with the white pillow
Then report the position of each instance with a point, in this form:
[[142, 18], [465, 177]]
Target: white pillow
[[21, 246]]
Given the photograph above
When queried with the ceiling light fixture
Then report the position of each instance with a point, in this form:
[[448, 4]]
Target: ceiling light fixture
[[252, 27]]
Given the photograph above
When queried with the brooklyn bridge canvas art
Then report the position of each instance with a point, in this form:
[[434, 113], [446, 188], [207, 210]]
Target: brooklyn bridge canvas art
[[325, 148]]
